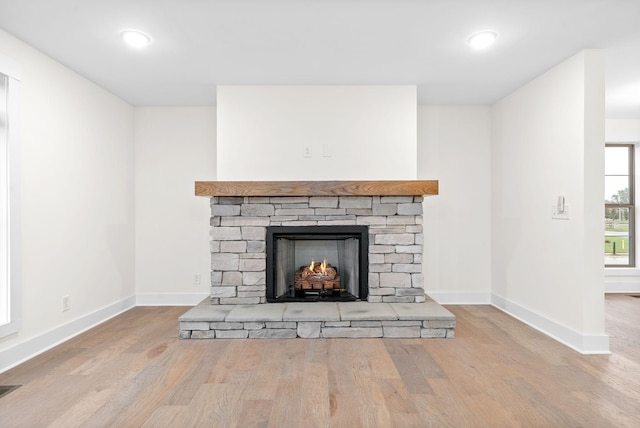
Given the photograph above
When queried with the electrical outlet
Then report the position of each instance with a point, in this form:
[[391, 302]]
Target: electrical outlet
[[196, 279], [66, 303], [308, 152]]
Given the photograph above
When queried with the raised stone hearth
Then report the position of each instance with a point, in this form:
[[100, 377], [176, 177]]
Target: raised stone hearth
[[317, 320]]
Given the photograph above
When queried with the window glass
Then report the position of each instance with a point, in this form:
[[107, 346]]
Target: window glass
[[619, 213]]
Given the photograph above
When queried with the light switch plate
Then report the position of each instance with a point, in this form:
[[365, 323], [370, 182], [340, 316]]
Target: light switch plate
[[555, 215]]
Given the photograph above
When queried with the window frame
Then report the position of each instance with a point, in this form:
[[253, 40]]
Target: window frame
[[630, 206], [10, 287]]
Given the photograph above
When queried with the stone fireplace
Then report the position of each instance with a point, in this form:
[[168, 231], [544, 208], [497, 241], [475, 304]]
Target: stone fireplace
[[392, 263], [367, 280]]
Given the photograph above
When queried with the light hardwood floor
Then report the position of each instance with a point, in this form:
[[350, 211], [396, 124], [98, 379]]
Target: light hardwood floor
[[133, 371]]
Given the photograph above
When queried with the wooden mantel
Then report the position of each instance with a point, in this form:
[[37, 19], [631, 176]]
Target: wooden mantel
[[317, 188]]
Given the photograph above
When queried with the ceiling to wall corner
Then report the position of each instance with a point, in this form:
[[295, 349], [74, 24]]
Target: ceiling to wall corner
[[198, 44]]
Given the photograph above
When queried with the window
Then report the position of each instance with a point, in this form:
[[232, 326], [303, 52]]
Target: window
[[9, 196], [619, 202]]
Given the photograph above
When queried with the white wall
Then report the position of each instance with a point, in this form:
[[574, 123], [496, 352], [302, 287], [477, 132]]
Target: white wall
[[548, 141], [624, 280], [370, 132], [174, 148], [77, 202], [454, 147]]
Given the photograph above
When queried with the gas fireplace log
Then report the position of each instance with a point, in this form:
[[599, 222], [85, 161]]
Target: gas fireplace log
[[317, 277]]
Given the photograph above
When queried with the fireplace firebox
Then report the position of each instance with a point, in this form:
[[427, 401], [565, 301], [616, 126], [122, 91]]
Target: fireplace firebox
[[317, 263]]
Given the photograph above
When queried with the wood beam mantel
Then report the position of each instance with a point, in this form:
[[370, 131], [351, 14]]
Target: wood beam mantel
[[317, 188]]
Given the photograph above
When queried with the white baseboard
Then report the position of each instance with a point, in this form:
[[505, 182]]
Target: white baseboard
[[461, 297], [24, 351], [170, 299], [621, 287], [571, 338]]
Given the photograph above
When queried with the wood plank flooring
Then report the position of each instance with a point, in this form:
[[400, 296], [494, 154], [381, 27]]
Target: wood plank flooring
[[133, 371]]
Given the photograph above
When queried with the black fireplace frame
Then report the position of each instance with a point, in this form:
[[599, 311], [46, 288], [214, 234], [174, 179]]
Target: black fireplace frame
[[320, 233]]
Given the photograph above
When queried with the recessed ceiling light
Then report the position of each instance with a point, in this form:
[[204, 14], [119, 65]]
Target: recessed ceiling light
[[482, 39], [135, 38]]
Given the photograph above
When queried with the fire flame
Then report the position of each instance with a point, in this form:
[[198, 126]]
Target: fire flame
[[323, 267]]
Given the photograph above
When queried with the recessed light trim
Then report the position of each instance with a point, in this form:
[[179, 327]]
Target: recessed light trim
[[135, 38], [482, 39]]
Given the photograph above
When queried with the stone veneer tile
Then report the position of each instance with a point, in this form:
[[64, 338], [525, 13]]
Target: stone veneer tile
[[355, 202], [194, 325], [225, 233], [395, 199], [251, 233], [257, 210], [251, 265], [229, 200], [295, 211], [371, 220], [288, 199], [254, 278], [277, 333], [218, 292], [398, 299], [401, 331], [225, 210], [208, 334], [359, 211], [317, 311], [366, 323], [409, 249], [337, 223], [353, 332], [385, 209], [281, 324], [407, 267], [233, 246], [323, 202], [255, 313], [394, 239], [402, 220], [253, 325], [336, 323], [244, 221], [410, 209], [226, 326], [433, 333], [233, 334], [309, 330], [365, 311], [330, 211], [395, 279], [224, 261]]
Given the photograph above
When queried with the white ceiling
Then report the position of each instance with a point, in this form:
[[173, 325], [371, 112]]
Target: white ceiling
[[198, 44]]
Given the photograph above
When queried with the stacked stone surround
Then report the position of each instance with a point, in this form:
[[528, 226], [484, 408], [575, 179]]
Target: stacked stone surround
[[238, 242]]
